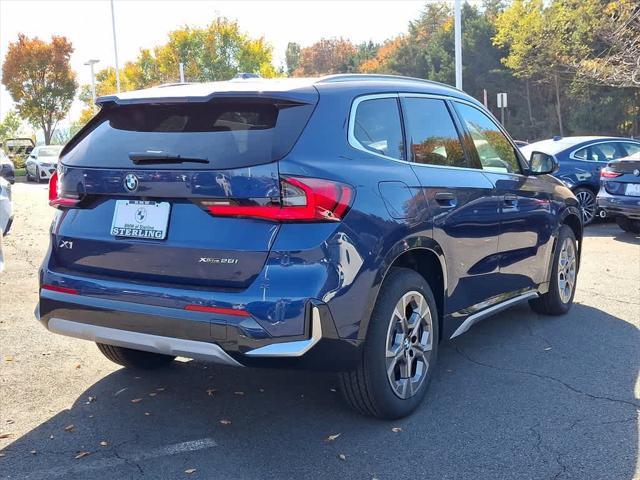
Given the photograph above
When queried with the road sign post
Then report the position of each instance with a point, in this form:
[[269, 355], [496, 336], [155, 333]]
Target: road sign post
[[502, 104]]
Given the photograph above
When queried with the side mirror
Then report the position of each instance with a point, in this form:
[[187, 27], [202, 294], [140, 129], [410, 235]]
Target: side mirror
[[542, 164]]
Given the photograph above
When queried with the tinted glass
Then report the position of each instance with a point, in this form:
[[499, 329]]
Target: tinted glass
[[432, 134], [228, 133], [377, 127], [494, 149], [631, 148]]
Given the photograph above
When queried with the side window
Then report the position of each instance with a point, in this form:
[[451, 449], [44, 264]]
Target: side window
[[583, 154], [431, 133], [604, 152], [494, 149], [377, 127], [631, 148]]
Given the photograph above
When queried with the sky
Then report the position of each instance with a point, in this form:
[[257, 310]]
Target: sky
[[146, 23]]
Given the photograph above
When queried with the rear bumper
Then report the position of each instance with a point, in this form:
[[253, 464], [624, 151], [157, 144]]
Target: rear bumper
[[228, 341], [620, 205]]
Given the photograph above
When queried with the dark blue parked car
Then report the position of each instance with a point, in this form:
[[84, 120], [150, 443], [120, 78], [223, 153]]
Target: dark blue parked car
[[348, 223], [581, 159], [619, 195]]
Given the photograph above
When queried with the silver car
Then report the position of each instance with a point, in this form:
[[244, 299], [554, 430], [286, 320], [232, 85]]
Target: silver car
[[42, 162], [6, 214]]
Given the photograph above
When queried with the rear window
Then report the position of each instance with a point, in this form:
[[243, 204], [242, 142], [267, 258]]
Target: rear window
[[227, 133]]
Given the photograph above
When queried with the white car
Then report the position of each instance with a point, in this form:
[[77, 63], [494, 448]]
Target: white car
[[6, 214], [42, 162]]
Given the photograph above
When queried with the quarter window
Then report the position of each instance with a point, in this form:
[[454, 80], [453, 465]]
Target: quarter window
[[631, 148], [432, 134], [377, 127], [494, 149], [599, 152]]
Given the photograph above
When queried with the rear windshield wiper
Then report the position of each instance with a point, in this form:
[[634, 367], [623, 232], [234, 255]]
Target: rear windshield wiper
[[150, 158]]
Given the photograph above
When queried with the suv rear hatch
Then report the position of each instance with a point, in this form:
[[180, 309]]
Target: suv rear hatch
[[139, 183]]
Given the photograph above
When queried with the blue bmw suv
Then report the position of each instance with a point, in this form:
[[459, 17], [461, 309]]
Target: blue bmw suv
[[348, 223]]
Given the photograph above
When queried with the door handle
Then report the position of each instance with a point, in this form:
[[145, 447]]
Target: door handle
[[446, 199], [511, 200]]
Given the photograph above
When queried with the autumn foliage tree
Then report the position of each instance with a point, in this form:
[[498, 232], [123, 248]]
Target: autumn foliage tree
[[334, 55], [39, 78]]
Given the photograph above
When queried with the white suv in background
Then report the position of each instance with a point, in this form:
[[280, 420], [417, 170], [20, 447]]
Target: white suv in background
[[42, 162]]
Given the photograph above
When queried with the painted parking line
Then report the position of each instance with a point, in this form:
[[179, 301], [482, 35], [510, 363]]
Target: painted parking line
[[122, 459]]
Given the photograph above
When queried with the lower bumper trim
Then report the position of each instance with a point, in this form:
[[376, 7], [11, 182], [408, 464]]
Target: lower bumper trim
[[143, 341]]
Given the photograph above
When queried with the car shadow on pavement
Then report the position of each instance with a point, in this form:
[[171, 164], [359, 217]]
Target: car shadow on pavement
[[519, 396], [612, 230]]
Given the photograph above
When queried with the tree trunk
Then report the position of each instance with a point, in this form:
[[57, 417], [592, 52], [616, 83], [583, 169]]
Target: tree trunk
[[558, 109], [529, 102]]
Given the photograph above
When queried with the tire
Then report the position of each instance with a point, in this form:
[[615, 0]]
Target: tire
[[26, 172], [628, 225], [130, 358], [38, 179], [369, 389], [559, 298], [588, 206]]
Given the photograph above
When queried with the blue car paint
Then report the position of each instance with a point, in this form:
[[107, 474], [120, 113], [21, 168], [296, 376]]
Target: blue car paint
[[488, 249]]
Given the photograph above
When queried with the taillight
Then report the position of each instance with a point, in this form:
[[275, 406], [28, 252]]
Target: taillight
[[57, 198], [606, 173], [58, 288], [302, 199]]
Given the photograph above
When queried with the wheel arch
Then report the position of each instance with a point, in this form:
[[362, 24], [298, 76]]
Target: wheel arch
[[423, 255]]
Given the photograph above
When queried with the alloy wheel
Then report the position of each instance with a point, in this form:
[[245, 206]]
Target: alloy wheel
[[566, 270], [587, 201], [409, 344]]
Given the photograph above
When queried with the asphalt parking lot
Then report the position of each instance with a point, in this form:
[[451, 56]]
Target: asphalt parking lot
[[519, 396]]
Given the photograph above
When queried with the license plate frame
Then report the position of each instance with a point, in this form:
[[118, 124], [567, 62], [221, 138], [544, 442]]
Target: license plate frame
[[140, 219], [632, 189]]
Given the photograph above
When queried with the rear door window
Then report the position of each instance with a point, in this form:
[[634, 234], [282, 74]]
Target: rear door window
[[227, 133], [495, 151], [431, 133], [376, 127]]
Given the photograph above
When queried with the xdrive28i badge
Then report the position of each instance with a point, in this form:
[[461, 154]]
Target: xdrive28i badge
[[131, 182]]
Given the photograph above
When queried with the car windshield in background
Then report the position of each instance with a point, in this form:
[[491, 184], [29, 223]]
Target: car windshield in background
[[49, 152], [225, 133]]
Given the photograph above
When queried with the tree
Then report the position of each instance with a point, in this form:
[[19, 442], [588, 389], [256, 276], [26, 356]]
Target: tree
[[10, 125], [39, 78], [327, 56], [292, 57]]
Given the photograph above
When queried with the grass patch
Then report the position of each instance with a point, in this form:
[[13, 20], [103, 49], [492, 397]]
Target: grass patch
[[20, 172]]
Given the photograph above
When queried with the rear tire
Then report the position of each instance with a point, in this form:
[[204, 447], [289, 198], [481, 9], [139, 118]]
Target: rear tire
[[38, 179], [130, 358], [562, 286], [628, 225], [587, 201], [400, 352]]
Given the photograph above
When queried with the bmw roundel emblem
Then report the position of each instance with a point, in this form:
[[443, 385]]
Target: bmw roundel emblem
[[636, 172], [131, 182]]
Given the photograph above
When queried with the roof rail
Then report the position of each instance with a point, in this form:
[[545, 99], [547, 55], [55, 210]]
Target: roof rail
[[354, 77]]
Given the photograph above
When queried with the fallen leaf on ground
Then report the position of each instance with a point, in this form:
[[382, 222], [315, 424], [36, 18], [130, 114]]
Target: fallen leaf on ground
[[8, 359], [342, 456], [92, 399], [396, 429], [81, 454], [10, 421], [189, 471], [103, 443], [4, 435], [69, 428], [225, 422], [331, 438], [136, 400], [78, 366], [211, 391]]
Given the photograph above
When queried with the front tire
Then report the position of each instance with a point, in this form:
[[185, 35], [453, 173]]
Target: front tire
[[628, 225], [130, 358], [400, 351], [562, 286]]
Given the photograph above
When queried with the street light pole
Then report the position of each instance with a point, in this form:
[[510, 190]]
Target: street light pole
[[91, 63], [115, 46], [458, 43]]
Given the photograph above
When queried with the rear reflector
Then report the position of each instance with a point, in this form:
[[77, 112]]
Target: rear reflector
[[219, 310], [56, 199], [606, 173], [57, 288], [302, 200]]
